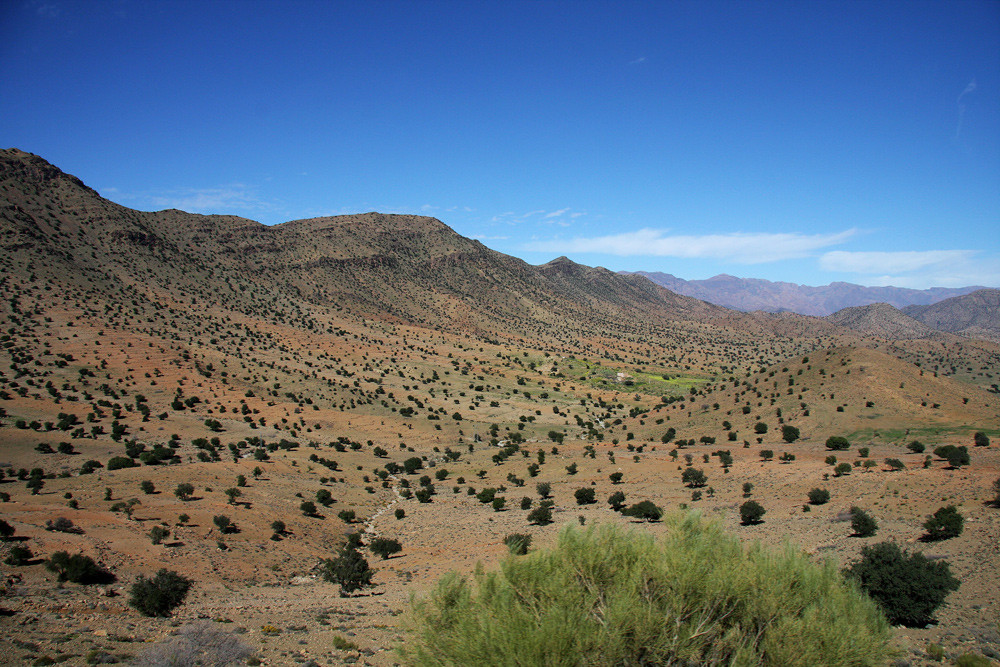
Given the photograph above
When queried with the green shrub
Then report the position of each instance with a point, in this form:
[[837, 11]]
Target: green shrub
[[864, 524], [585, 495], [608, 596], [973, 660], [751, 512], [819, 496], [349, 569], [644, 510], [18, 555], [908, 587], [78, 568], [384, 547], [944, 524], [838, 443], [518, 543], [159, 595]]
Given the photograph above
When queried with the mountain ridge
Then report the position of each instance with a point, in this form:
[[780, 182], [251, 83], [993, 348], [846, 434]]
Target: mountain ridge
[[749, 294]]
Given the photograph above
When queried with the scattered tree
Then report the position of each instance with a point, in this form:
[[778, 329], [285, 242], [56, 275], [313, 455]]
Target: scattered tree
[[751, 513], [908, 587], [384, 547], [863, 524], [819, 496], [944, 524], [159, 595], [349, 569]]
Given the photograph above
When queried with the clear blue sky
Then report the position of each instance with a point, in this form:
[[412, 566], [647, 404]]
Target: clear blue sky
[[801, 141]]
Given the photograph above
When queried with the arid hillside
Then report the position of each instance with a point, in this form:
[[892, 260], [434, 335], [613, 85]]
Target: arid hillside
[[382, 375]]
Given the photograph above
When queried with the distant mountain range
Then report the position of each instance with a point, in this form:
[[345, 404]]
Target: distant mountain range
[[750, 294]]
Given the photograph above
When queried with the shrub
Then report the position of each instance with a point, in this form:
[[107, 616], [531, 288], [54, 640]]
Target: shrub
[[644, 510], [18, 555], [199, 644], [838, 443], [518, 543], [384, 547], [224, 524], [157, 534], [541, 515], [842, 469], [617, 501], [751, 512], [543, 489], [7, 530], [147, 487], [944, 524], [863, 524], [819, 496], [908, 587], [916, 447], [119, 462], [789, 433], [159, 595], [348, 569], [400, 513], [184, 491], [895, 464], [78, 568], [616, 477], [956, 456], [694, 477], [585, 495], [614, 597], [980, 439]]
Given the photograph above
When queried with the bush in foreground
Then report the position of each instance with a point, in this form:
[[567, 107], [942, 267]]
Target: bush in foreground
[[908, 587], [608, 596]]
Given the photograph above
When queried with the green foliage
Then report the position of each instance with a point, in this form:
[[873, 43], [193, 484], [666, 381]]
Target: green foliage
[[77, 568], [818, 496], [384, 547], [159, 595], [400, 513], [543, 489], [789, 433], [908, 587], [863, 524], [348, 569], [6, 530], [751, 512], [541, 515], [916, 447], [980, 439], [607, 596], [119, 462], [760, 428], [518, 543], [973, 660], [184, 491], [644, 510], [944, 524], [308, 508], [157, 534], [842, 469], [18, 555], [956, 456], [147, 487], [838, 443], [617, 501], [585, 495], [694, 477]]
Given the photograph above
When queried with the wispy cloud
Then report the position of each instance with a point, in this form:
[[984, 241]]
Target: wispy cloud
[[742, 248], [637, 61], [969, 89], [556, 214], [231, 198], [902, 261], [917, 269]]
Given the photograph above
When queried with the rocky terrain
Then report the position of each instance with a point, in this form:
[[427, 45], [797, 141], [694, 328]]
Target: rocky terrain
[[389, 371]]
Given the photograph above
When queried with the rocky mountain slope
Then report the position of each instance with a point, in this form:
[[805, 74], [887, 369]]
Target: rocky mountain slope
[[975, 315]]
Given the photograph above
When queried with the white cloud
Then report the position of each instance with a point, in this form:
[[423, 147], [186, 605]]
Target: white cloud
[[225, 199], [556, 214], [917, 269], [742, 248], [892, 262]]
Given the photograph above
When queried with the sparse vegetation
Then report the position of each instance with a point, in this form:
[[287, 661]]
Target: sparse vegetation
[[160, 594]]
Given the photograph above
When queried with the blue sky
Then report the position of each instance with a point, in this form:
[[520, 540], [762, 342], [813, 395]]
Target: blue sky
[[799, 141]]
